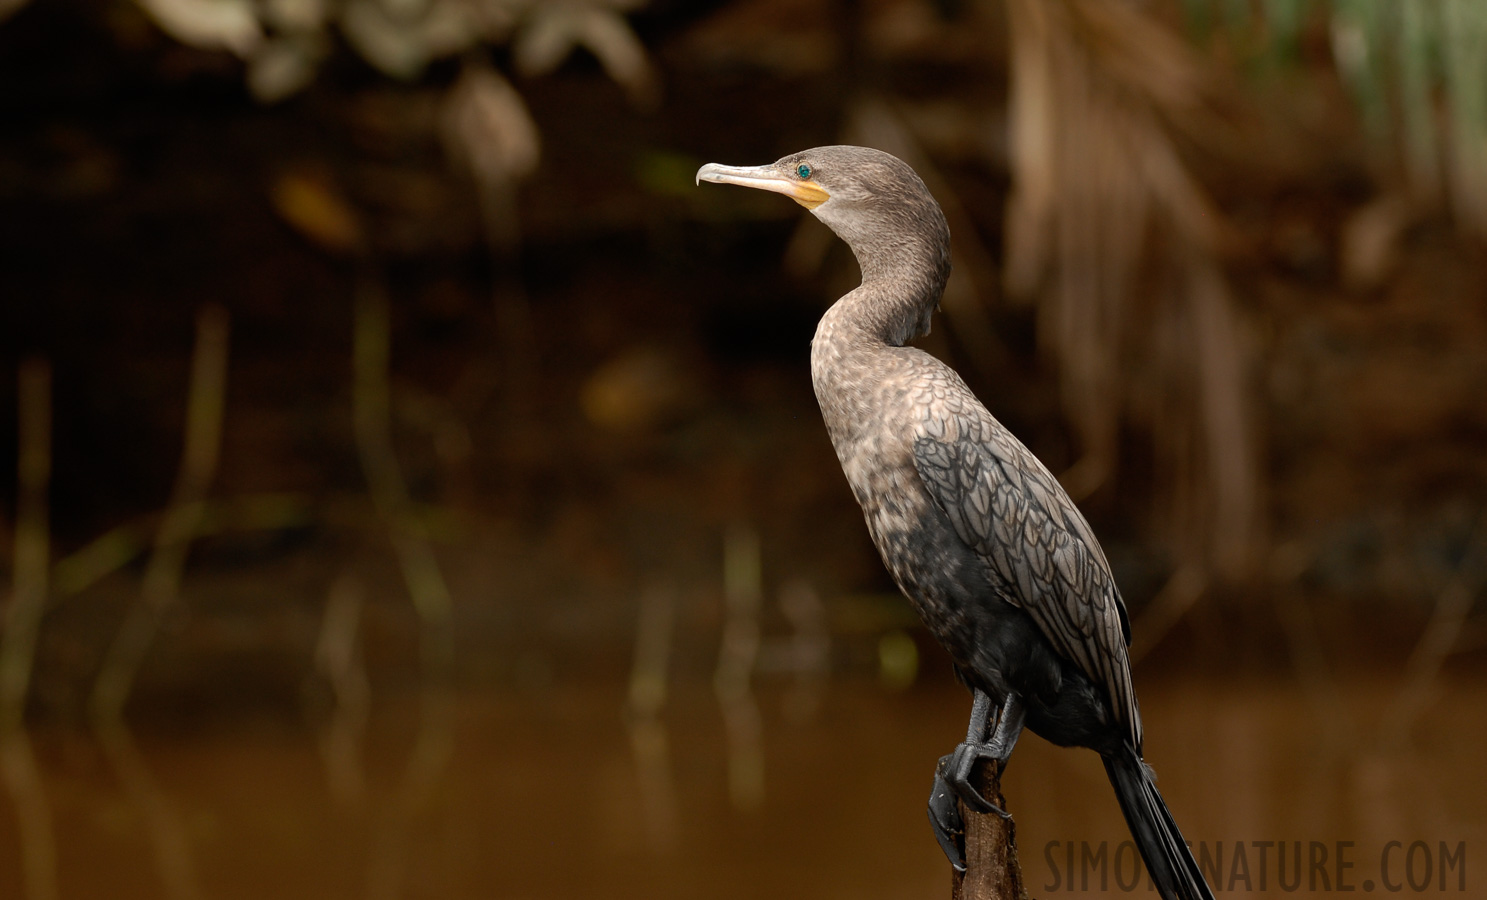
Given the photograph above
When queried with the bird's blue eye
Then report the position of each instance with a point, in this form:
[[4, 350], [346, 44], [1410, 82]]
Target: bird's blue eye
[[803, 170]]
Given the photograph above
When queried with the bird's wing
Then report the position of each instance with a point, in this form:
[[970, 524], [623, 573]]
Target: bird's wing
[[1008, 508]]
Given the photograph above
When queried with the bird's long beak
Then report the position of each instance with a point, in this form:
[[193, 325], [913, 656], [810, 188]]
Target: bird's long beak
[[805, 192]]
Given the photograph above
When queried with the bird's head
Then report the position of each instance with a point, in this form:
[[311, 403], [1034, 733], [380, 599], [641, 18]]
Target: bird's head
[[871, 199]]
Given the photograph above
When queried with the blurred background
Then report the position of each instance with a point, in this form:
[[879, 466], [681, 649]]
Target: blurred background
[[412, 484]]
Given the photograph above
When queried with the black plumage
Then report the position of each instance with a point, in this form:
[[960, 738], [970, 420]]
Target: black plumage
[[998, 561]]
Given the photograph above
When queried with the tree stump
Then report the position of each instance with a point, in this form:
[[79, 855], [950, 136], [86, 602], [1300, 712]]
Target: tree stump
[[992, 871]]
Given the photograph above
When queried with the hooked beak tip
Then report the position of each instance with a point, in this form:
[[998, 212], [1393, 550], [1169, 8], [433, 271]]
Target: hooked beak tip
[[711, 172]]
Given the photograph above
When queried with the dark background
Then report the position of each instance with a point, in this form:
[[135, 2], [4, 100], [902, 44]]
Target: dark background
[[470, 620]]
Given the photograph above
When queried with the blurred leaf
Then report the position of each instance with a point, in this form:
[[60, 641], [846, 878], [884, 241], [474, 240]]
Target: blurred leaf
[[450, 27], [230, 24], [554, 31], [1357, 26], [641, 388], [1417, 73], [402, 41], [487, 127], [1284, 20], [314, 208], [391, 46], [498, 18], [1199, 16], [666, 174], [1418, 27], [1464, 32], [406, 9], [296, 15], [1368, 245], [10, 7], [898, 660], [100, 557], [284, 67], [1103, 200]]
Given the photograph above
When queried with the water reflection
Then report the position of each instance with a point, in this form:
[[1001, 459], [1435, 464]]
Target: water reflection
[[553, 794]]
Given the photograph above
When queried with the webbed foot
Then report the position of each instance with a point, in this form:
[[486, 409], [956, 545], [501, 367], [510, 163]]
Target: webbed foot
[[953, 773]]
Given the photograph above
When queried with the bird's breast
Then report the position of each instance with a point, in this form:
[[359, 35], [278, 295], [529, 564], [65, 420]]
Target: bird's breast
[[915, 539]]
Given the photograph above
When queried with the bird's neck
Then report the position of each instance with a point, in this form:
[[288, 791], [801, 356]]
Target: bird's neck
[[901, 286], [853, 356]]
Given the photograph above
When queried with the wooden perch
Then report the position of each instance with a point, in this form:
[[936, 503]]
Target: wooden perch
[[992, 871]]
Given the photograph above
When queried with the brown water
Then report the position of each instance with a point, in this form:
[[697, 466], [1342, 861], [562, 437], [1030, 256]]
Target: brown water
[[550, 794]]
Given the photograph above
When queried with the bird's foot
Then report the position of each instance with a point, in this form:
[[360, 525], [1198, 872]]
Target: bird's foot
[[954, 771], [952, 784]]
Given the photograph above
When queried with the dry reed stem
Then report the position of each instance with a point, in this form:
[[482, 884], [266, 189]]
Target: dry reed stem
[[167, 832], [1418, 76], [1315, 674], [649, 740], [160, 591], [32, 544], [449, 436], [1452, 607], [653, 630], [422, 575], [22, 623], [737, 655], [338, 660], [1417, 105], [1442, 636], [372, 421], [33, 815], [1229, 446], [513, 308], [808, 650], [1183, 588], [1464, 35], [488, 128], [119, 546]]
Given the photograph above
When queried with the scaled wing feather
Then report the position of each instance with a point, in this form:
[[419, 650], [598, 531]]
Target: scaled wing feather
[[1009, 509]]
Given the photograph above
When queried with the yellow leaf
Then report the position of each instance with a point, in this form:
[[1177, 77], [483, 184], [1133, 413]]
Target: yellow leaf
[[313, 207]]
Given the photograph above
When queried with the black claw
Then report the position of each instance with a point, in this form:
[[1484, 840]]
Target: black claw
[[944, 818]]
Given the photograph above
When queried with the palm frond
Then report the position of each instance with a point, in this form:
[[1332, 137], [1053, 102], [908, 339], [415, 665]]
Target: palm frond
[[1103, 207]]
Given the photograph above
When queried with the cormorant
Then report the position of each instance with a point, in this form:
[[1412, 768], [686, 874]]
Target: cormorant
[[996, 559]]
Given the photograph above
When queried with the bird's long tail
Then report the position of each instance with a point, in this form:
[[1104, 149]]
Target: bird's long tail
[[1168, 859]]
